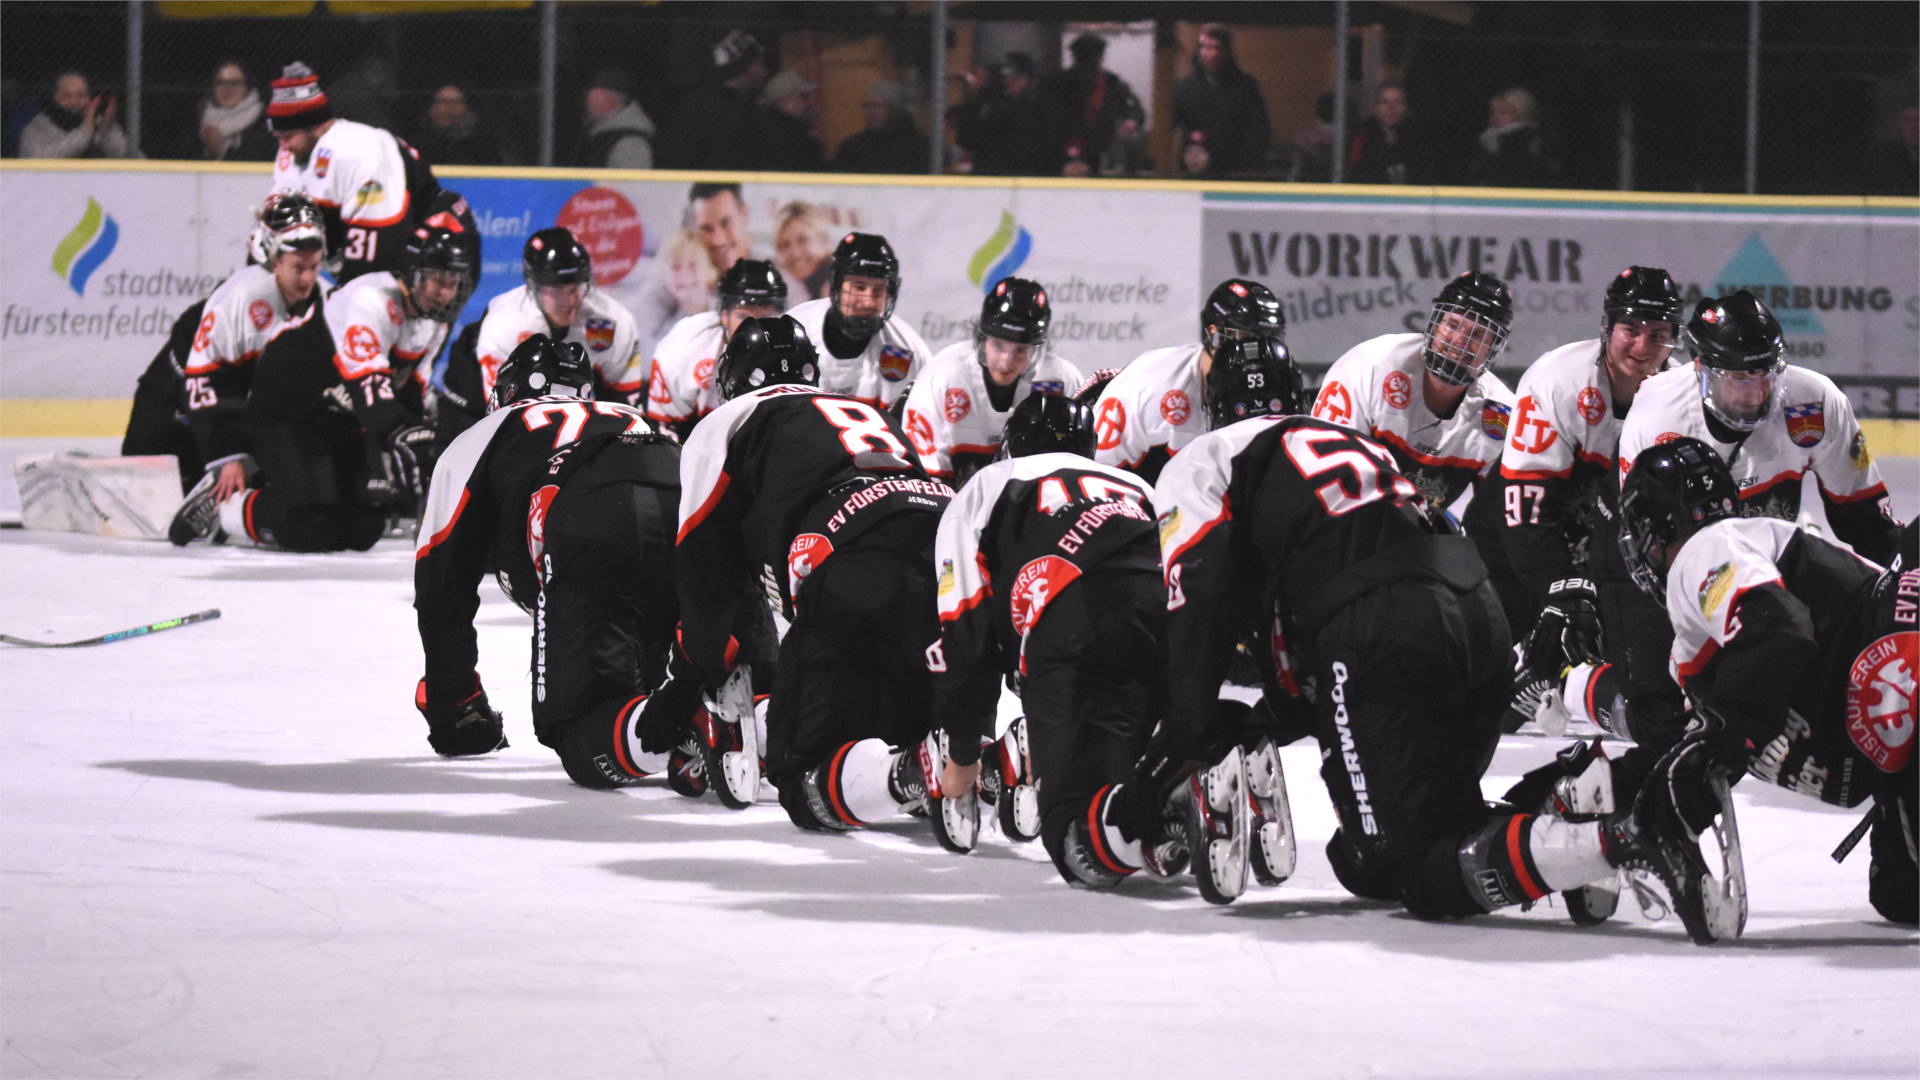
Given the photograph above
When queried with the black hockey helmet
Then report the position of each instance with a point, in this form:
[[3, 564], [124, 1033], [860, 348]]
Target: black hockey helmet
[[1015, 310], [1467, 327], [1675, 489], [1738, 344], [554, 257], [288, 221], [763, 353], [1046, 424], [752, 283], [1239, 311], [446, 248], [1257, 379], [542, 367], [865, 255], [1646, 293]]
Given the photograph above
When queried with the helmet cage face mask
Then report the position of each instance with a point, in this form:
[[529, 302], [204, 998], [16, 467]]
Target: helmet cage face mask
[[864, 325], [1725, 393], [446, 312], [1640, 533], [1459, 358], [869, 256]]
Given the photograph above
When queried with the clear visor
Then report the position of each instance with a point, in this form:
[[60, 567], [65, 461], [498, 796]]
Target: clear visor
[[1461, 343], [1742, 400]]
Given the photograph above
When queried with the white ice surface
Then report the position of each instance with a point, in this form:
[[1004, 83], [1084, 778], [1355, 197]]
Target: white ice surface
[[226, 850]]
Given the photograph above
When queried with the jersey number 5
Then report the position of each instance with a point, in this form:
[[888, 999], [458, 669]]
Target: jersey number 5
[[1355, 464], [864, 432]]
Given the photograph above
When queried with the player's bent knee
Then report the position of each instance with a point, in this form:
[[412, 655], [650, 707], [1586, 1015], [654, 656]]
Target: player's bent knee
[[596, 748]]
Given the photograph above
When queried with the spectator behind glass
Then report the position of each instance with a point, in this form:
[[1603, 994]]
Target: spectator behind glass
[[1223, 101], [75, 124], [1009, 128], [717, 126], [452, 134], [1387, 149], [688, 273], [1196, 161], [619, 132], [1313, 145], [890, 143], [1095, 105], [1512, 152], [803, 246], [1893, 168], [786, 117], [232, 120]]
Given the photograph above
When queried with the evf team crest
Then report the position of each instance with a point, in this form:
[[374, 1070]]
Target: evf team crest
[[1881, 700]]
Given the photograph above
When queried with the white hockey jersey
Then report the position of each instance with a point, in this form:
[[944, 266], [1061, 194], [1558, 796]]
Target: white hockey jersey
[[1811, 429], [1563, 416], [356, 170], [1154, 404], [1375, 388], [680, 380], [882, 372], [373, 334], [951, 418], [244, 313], [603, 326]]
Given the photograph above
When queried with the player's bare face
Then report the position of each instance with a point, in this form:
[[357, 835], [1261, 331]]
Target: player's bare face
[[731, 318], [722, 224], [1636, 348], [560, 303], [1006, 361], [297, 273], [862, 297], [299, 143]]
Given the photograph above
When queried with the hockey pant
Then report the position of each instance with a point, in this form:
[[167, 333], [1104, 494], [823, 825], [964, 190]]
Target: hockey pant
[[1095, 684], [1413, 678], [853, 664], [603, 621], [315, 474], [1483, 525], [156, 426]]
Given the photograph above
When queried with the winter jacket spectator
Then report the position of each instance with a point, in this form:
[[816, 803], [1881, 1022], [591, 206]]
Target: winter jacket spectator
[[1094, 104], [786, 116], [718, 125], [1387, 149], [889, 143], [233, 121], [1513, 151], [75, 124], [452, 134], [1225, 102], [619, 132], [1009, 128]]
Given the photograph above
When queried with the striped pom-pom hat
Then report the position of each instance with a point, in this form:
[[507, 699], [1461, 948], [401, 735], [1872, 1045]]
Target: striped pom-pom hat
[[298, 102]]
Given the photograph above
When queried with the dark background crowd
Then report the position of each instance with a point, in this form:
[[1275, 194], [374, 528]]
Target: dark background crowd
[[1629, 95]]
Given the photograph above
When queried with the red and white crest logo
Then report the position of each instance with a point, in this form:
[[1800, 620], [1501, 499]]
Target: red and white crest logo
[[1592, 409], [703, 373], [1665, 437], [205, 334], [1034, 587], [809, 550], [1175, 408], [394, 313], [261, 313], [537, 508], [1111, 424], [956, 404], [1532, 434], [362, 343], [1398, 390], [1335, 404], [1881, 700], [920, 432]]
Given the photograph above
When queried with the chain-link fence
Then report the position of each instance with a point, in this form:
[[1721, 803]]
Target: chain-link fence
[[1631, 96]]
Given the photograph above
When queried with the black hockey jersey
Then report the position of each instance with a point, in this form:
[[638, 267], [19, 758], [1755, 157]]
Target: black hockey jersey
[[771, 483], [1017, 535], [1256, 518], [487, 507]]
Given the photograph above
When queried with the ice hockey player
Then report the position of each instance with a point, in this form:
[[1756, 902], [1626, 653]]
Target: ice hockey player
[[1049, 572], [218, 337], [1158, 403], [572, 502], [813, 502], [558, 300], [680, 385], [371, 187], [1433, 400], [865, 352], [960, 403], [1799, 655], [1555, 492], [1385, 629], [338, 398]]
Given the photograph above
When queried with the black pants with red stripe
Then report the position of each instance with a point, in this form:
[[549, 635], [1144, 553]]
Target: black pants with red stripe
[[314, 468], [1095, 685], [603, 620], [853, 665]]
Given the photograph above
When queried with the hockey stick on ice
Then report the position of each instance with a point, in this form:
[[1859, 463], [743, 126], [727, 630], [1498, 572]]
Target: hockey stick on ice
[[118, 635]]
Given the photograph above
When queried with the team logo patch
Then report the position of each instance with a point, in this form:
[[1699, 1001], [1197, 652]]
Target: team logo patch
[[205, 334], [1335, 404], [1049, 386], [1532, 434], [1398, 390], [321, 159], [1035, 586], [537, 508], [372, 192], [261, 313], [1857, 451], [895, 362], [947, 579], [394, 313], [1493, 420], [1713, 591], [956, 404], [599, 334], [362, 343], [1175, 408], [920, 432], [703, 373], [809, 550], [1592, 409], [1665, 437], [1806, 424], [1111, 424], [1169, 524], [1880, 700]]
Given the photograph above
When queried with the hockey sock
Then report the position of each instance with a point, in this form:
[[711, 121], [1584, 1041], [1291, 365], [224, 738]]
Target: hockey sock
[[236, 519], [626, 741], [1593, 694], [855, 782], [1520, 858], [1114, 850]]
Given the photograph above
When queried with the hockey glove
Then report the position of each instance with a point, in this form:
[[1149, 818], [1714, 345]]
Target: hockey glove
[[1573, 610], [410, 464], [467, 727]]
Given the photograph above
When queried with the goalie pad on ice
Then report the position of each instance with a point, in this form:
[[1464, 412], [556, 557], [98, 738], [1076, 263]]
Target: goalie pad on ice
[[128, 498]]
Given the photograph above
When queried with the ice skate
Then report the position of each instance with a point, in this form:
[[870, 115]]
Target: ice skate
[[1656, 835], [1272, 851], [1018, 798], [687, 767], [954, 815], [1216, 814], [730, 739], [199, 516]]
